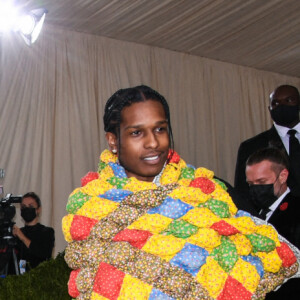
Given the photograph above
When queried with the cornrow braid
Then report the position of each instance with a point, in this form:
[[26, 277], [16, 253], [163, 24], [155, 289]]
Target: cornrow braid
[[125, 97]]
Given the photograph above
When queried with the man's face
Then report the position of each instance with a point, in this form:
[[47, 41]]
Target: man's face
[[262, 173], [144, 139], [284, 96]]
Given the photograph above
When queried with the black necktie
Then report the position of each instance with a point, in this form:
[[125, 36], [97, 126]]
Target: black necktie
[[263, 213], [294, 147]]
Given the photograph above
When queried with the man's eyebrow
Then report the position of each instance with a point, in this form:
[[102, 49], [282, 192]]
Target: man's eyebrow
[[137, 126]]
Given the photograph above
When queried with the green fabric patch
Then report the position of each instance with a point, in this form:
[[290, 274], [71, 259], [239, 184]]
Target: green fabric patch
[[181, 229], [117, 182], [261, 243], [187, 173], [218, 207], [76, 201], [221, 183], [225, 254], [101, 166]]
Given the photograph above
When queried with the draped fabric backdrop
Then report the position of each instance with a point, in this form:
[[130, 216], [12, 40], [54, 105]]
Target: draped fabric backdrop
[[52, 97]]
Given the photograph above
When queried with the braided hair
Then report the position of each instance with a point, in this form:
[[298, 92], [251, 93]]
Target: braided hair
[[125, 97]]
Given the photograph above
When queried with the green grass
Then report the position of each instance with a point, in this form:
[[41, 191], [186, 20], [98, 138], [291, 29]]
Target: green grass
[[48, 281]]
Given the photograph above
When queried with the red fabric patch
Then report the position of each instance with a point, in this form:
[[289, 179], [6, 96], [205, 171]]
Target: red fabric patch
[[283, 206], [72, 288], [223, 228], [173, 156], [136, 238], [234, 290], [206, 185], [81, 227], [108, 281], [286, 254], [90, 176]]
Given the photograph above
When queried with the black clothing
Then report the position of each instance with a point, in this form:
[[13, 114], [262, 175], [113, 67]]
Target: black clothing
[[286, 219], [269, 138], [41, 246]]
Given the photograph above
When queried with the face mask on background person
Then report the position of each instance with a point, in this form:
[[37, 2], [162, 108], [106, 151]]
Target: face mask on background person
[[28, 214], [262, 195], [285, 114]]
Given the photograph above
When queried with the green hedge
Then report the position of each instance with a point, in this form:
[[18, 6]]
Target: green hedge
[[48, 281]]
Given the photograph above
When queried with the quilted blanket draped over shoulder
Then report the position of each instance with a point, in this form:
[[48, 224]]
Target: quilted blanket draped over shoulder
[[180, 239]]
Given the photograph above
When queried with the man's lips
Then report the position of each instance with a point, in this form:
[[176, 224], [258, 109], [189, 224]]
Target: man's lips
[[151, 158]]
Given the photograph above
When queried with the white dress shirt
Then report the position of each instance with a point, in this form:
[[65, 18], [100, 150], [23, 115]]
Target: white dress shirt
[[275, 204], [283, 133]]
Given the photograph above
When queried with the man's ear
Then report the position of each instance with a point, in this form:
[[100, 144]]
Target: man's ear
[[283, 176], [112, 141]]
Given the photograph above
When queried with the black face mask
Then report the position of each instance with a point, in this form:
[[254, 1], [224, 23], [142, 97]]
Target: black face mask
[[28, 214], [285, 114], [262, 195]]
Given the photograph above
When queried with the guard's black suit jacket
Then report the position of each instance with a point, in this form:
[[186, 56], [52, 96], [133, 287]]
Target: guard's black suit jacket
[[286, 219], [287, 223], [269, 138]]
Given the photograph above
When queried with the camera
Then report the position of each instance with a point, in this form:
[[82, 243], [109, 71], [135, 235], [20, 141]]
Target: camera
[[7, 213]]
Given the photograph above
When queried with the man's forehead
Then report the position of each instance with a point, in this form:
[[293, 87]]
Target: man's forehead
[[283, 92]]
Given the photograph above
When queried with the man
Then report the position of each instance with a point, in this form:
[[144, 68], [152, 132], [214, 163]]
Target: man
[[284, 110], [267, 174], [36, 241]]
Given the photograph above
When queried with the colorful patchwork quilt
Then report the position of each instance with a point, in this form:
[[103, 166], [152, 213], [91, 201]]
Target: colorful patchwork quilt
[[180, 239]]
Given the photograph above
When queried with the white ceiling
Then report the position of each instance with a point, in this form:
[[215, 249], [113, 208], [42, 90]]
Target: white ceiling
[[263, 34]]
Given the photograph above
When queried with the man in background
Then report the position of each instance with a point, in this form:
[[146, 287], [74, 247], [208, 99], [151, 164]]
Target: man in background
[[284, 134], [267, 174]]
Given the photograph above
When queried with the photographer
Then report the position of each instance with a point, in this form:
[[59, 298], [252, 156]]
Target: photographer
[[35, 241]]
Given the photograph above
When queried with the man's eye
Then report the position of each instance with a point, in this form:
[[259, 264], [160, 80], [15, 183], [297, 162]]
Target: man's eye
[[160, 129], [135, 133]]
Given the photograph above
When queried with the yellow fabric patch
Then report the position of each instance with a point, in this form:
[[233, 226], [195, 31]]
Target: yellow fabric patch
[[95, 296], [244, 224], [96, 187], [212, 277], [154, 223], [269, 232], [66, 225], [170, 174], [135, 185], [165, 246], [190, 195], [184, 181], [206, 238], [181, 164], [271, 261], [97, 208], [242, 244], [134, 289], [201, 217], [222, 195], [246, 274], [203, 172], [107, 156], [106, 173], [75, 191]]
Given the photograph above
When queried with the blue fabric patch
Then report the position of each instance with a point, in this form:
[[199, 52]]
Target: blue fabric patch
[[116, 195], [190, 166], [118, 170], [256, 262], [242, 213], [190, 258], [158, 295], [171, 208]]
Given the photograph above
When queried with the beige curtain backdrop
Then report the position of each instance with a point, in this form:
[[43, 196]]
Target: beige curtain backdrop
[[52, 96]]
